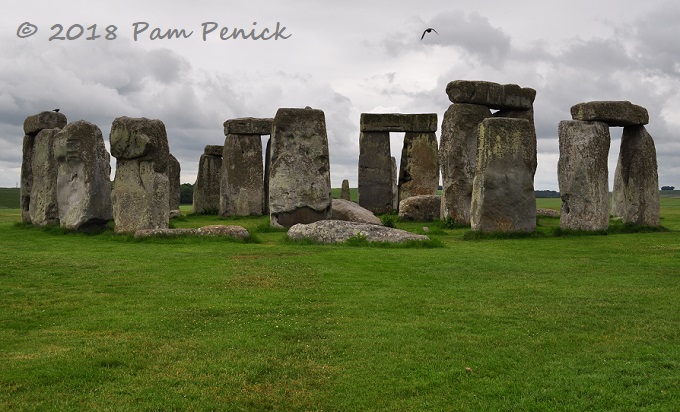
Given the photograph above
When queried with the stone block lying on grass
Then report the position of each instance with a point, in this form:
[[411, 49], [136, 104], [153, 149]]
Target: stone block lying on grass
[[236, 232], [337, 231], [423, 208], [352, 212]]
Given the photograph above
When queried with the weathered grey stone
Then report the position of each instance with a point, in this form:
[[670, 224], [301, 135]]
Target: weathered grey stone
[[248, 126], [26, 178], [206, 199], [503, 197], [419, 167], [375, 172], [351, 212], [491, 95], [267, 167], [140, 196], [636, 180], [44, 120], [236, 232], [344, 191], [614, 113], [242, 184], [43, 207], [398, 122], [83, 177], [299, 182], [213, 150], [174, 214], [337, 231], [423, 208], [165, 232], [458, 157], [583, 175], [395, 184], [174, 171]]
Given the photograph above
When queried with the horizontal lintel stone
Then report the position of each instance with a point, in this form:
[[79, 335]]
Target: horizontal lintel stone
[[614, 113], [248, 125], [398, 122], [492, 95]]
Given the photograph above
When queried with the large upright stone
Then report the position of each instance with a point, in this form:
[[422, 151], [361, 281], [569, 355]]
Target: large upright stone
[[140, 196], [503, 197], [32, 126], [174, 182], [267, 168], [491, 95], [83, 179], [299, 182], [375, 172], [43, 204], [419, 167], [344, 191], [206, 199], [395, 184], [458, 157], [636, 180], [242, 184], [614, 113], [583, 176]]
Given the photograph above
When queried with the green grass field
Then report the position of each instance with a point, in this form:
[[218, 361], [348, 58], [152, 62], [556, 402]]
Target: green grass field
[[569, 323]]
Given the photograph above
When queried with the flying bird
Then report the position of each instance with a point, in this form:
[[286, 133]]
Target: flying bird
[[56, 110], [428, 30]]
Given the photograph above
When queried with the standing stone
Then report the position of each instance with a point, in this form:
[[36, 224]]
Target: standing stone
[[458, 157], [206, 199], [344, 192], [299, 183], [241, 188], [375, 172], [394, 183], [503, 197], [32, 126], [43, 207], [83, 179], [267, 168], [140, 196], [636, 180], [174, 172], [419, 167], [583, 175]]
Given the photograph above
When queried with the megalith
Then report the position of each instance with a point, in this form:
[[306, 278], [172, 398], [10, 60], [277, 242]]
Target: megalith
[[375, 172], [33, 125], [140, 196], [83, 177], [419, 167], [242, 180], [299, 181], [503, 197], [458, 157], [344, 191], [636, 182], [206, 198], [614, 113], [174, 172], [44, 207], [583, 175]]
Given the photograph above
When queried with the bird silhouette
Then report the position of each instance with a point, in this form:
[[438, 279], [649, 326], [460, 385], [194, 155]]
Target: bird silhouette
[[56, 110], [428, 30]]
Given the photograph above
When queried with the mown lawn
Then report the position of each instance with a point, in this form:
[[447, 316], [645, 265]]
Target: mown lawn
[[568, 323]]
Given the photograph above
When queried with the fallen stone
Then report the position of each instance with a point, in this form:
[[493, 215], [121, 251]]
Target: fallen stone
[[458, 157], [420, 208], [165, 232], [299, 181], [236, 232], [614, 113], [44, 120], [503, 198], [582, 173], [351, 212], [636, 182], [492, 95], [83, 177], [248, 125], [398, 122], [547, 213], [337, 231]]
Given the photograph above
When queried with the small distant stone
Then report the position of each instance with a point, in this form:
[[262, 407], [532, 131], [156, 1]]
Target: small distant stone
[[547, 212]]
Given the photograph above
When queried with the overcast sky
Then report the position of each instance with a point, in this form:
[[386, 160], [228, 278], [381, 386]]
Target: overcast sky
[[345, 58]]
